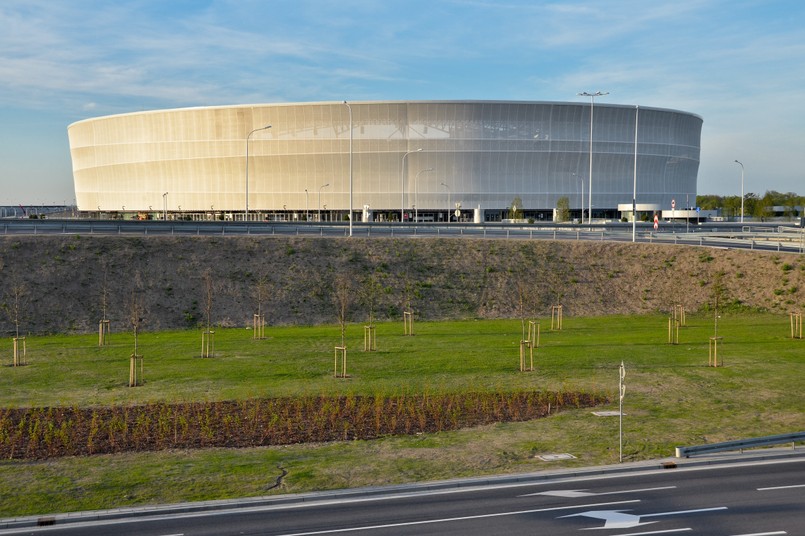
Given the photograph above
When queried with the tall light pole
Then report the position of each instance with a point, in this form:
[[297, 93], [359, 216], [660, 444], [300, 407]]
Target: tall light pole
[[306, 205], [320, 189], [249, 135], [402, 183], [416, 192], [165, 203], [742, 191], [592, 107], [350, 166], [634, 194], [448, 201]]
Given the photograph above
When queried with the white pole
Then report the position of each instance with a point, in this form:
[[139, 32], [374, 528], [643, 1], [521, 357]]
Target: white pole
[[249, 135], [448, 201], [621, 393], [350, 166], [592, 107], [742, 190], [402, 184], [634, 193]]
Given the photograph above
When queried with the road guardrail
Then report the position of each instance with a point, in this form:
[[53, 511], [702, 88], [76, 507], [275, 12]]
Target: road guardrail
[[741, 444]]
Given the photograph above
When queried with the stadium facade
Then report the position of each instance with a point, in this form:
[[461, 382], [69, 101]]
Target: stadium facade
[[400, 158]]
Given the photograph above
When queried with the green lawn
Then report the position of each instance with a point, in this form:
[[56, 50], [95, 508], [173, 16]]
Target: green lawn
[[672, 398]]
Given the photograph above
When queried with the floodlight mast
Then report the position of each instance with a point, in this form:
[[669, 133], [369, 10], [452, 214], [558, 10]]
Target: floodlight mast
[[592, 107]]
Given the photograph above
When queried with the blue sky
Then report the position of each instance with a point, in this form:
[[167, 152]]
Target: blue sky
[[740, 64]]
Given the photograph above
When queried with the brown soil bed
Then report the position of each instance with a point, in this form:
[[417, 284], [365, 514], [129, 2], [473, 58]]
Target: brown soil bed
[[37, 433]]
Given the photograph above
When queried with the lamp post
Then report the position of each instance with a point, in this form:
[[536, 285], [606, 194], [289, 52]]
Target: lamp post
[[448, 201], [306, 205], [592, 107], [165, 203], [634, 194], [416, 192], [350, 166], [742, 190], [402, 183], [320, 189], [249, 135]]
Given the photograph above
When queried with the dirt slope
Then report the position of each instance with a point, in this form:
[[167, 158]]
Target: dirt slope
[[60, 280]]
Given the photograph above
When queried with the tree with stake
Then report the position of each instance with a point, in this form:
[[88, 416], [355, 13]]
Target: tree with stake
[[342, 298], [14, 308], [103, 325], [261, 292], [207, 336], [370, 293], [136, 314]]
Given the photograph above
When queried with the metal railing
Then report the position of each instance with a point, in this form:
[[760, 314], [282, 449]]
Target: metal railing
[[741, 444]]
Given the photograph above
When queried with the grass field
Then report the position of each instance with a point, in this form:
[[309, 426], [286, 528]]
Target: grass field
[[672, 398]]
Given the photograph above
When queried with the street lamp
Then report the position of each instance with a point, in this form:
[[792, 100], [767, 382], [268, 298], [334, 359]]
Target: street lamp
[[249, 135], [742, 191], [448, 201], [306, 205], [402, 184], [592, 107], [165, 202], [634, 193], [320, 188], [350, 166], [416, 192]]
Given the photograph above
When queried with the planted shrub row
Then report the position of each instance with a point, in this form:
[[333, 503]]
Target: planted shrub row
[[35, 433]]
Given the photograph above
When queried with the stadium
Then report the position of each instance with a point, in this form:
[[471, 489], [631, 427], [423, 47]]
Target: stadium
[[385, 161]]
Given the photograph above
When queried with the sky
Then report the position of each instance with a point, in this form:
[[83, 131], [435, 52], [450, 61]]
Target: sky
[[739, 64]]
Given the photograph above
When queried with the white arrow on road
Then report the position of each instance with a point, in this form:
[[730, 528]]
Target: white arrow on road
[[573, 493], [617, 519]]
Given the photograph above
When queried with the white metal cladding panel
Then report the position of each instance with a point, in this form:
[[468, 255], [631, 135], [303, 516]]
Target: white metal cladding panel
[[487, 152]]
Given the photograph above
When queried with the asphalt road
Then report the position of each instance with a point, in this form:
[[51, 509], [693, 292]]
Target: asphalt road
[[736, 499], [766, 237]]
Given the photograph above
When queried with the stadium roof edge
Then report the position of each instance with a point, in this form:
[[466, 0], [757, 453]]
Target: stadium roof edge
[[330, 103]]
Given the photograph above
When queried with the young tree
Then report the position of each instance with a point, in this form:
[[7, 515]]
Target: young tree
[[261, 292], [208, 288], [370, 293], [15, 304], [136, 308], [342, 298]]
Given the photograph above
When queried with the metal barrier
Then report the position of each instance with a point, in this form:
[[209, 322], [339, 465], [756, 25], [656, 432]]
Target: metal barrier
[[741, 444]]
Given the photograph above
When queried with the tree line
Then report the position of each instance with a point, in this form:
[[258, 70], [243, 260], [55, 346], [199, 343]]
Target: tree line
[[755, 206]]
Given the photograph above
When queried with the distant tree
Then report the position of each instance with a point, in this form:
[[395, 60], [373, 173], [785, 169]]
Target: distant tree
[[516, 209], [562, 209]]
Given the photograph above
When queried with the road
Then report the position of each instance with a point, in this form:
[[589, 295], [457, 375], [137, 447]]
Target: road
[[736, 499], [768, 237]]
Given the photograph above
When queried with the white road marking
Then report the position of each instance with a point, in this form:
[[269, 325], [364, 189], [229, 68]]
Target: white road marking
[[571, 493], [764, 533], [451, 519], [617, 519], [782, 487], [667, 531]]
